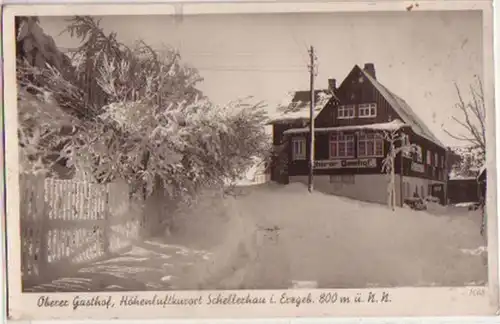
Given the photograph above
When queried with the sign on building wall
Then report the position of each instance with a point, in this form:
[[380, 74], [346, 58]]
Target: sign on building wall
[[345, 164], [417, 167]]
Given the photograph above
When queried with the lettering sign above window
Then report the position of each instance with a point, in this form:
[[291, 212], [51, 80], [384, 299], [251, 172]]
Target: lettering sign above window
[[367, 110], [345, 112]]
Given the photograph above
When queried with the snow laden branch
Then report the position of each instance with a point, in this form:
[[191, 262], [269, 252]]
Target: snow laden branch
[[472, 118], [184, 143], [398, 144], [187, 146], [41, 143], [135, 113]]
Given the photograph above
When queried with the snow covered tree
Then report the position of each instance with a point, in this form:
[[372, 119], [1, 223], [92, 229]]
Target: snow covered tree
[[469, 160], [472, 120], [136, 114], [398, 144]]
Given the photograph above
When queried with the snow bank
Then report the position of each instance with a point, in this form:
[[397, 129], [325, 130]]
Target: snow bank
[[466, 204], [480, 250], [214, 224]]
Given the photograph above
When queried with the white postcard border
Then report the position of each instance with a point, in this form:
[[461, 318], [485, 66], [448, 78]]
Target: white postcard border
[[405, 301]]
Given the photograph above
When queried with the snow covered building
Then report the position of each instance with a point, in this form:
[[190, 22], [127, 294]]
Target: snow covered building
[[350, 121], [462, 189]]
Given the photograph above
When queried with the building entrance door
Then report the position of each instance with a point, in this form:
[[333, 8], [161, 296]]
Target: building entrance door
[[437, 190]]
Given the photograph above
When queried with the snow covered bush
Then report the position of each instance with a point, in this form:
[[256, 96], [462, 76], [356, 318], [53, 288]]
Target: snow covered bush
[[39, 133]]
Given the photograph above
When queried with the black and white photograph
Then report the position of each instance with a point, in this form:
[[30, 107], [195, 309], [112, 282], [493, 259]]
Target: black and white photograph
[[262, 151]]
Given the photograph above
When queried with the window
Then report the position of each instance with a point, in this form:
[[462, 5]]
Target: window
[[418, 154], [436, 160], [407, 190], [341, 145], [345, 178], [335, 179], [422, 192], [367, 110], [429, 157], [442, 162], [370, 144], [345, 112], [298, 148], [408, 150]]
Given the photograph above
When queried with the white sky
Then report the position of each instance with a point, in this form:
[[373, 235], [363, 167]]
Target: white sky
[[417, 55]]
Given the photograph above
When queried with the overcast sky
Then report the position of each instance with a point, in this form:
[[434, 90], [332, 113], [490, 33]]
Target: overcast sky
[[417, 55]]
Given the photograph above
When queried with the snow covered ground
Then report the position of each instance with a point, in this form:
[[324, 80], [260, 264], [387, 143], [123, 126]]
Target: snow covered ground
[[278, 236], [270, 236]]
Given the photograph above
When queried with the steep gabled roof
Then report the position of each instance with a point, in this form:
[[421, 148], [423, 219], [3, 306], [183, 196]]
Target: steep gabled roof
[[404, 111], [296, 106]]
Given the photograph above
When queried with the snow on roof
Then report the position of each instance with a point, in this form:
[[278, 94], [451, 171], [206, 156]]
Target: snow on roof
[[460, 177], [404, 111], [295, 106], [390, 126], [481, 170]]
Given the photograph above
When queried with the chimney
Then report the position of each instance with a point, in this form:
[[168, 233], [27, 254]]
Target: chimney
[[370, 69], [332, 85]]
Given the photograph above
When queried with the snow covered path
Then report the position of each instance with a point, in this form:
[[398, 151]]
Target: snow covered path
[[150, 266]]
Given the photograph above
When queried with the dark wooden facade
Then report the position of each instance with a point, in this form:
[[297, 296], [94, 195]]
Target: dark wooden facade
[[352, 91], [463, 190], [402, 164], [357, 89]]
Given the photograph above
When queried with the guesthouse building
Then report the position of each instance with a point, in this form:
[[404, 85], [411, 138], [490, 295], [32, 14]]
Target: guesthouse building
[[352, 125]]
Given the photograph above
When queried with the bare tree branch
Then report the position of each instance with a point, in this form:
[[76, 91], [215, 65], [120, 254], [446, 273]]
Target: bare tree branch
[[471, 120]]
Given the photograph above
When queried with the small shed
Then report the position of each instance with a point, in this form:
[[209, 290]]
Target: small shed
[[462, 190]]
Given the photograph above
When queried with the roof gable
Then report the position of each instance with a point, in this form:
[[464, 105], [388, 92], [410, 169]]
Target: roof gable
[[404, 110]]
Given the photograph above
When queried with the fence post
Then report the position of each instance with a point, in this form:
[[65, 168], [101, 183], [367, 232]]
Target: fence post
[[107, 220], [43, 219]]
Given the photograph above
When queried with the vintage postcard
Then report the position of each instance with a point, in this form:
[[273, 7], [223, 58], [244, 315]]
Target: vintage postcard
[[250, 160]]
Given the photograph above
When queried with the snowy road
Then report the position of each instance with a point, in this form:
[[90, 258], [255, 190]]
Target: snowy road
[[291, 235]]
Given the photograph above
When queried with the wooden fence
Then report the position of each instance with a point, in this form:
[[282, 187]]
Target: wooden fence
[[66, 224]]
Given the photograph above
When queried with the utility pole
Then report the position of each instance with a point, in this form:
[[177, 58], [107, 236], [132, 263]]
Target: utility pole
[[312, 73]]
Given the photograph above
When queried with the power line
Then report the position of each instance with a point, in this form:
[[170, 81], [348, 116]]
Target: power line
[[237, 54], [248, 69]]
